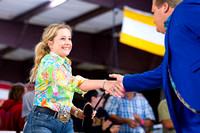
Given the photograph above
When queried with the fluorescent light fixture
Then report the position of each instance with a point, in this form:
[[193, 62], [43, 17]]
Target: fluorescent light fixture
[[55, 3]]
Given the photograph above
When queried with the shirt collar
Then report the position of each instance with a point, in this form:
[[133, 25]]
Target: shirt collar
[[60, 59], [166, 23]]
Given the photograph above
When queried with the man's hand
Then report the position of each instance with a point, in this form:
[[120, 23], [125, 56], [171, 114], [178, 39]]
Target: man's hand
[[137, 118], [132, 123], [113, 88], [118, 77]]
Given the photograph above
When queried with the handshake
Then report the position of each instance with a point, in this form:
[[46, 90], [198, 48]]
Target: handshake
[[114, 88]]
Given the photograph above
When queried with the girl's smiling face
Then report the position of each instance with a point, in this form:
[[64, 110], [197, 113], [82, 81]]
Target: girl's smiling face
[[62, 43]]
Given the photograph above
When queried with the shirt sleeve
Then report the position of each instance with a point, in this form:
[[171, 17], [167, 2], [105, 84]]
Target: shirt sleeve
[[112, 105], [55, 74], [145, 81], [77, 80], [163, 113]]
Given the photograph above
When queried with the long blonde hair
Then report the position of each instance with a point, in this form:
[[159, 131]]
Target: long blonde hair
[[42, 47]]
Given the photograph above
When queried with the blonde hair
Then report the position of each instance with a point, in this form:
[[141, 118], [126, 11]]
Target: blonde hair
[[42, 47]]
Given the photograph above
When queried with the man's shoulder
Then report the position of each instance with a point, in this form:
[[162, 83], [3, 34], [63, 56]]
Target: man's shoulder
[[162, 104], [30, 93], [190, 2]]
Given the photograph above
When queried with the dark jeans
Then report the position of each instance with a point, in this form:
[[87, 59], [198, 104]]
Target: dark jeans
[[40, 122]]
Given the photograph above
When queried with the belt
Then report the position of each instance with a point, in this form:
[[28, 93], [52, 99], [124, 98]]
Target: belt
[[47, 111], [61, 116]]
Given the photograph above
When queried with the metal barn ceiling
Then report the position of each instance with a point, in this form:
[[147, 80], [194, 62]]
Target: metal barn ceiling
[[94, 24], [89, 16]]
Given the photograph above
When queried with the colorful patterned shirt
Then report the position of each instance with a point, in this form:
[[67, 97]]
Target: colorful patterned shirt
[[55, 85], [125, 108]]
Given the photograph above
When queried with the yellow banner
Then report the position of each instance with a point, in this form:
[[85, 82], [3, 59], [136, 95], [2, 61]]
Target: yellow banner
[[139, 31]]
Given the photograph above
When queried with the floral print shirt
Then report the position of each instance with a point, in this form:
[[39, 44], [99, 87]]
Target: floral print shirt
[[55, 85]]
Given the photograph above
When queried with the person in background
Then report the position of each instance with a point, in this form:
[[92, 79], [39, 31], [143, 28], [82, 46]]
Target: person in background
[[11, 110], [55, 85], [28, 98], [132, 112], [164, 117], [30, 86], [101, 122]]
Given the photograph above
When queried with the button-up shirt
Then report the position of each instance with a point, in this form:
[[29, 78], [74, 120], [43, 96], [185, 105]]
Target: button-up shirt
[[125, 108], [55, 85]]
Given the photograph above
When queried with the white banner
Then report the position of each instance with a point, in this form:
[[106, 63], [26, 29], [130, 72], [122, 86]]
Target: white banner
[[139, 31]]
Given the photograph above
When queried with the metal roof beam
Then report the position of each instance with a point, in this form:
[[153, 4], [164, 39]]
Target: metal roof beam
[[27, 15], [6, 50], [88, 16]]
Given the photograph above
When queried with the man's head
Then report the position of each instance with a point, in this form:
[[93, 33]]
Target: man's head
[[129, 95], [162, 9]]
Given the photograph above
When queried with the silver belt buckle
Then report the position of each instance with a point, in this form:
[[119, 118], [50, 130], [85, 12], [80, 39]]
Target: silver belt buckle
[[63, 116]]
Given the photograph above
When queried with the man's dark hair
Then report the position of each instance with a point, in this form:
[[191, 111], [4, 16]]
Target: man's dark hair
[[171, 3]]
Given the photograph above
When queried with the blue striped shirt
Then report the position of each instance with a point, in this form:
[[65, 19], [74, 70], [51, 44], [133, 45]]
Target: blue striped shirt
[[125, 108]]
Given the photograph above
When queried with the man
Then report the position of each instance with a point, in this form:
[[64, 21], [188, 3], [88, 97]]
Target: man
[[179, 72], [164, 117], [133, 112]]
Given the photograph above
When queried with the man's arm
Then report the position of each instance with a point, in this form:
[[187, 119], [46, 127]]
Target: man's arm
[[147, 123], [138, 82], [167, 124], [120, 120], [163, 115]]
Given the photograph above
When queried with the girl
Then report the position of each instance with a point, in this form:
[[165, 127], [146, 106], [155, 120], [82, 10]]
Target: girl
[[55, 85]]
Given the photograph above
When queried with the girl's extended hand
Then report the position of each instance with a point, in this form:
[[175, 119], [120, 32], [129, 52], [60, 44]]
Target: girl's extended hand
[[113, 88]]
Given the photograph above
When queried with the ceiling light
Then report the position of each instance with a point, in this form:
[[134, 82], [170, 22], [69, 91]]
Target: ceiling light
[[55, 3]]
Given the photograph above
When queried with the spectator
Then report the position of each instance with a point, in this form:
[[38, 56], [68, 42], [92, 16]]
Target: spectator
[[28, 99], [164, 117], [101, 122], [11, 110], [133, 112], [30, 86]]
